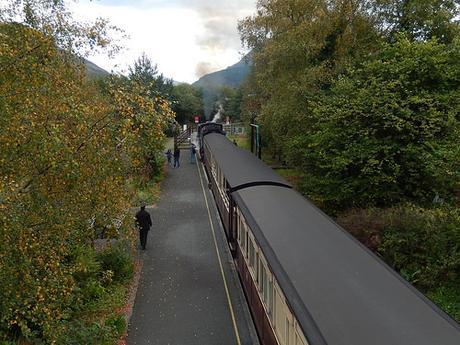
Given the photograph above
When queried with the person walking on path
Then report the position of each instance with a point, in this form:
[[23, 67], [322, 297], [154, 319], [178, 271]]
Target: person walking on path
[[192, 153], [177, 157], [169, 156], [144, 222]]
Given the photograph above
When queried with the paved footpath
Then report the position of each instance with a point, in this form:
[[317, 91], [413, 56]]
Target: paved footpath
[[182, 298]]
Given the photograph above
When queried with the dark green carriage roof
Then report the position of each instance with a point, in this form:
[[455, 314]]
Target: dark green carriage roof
[[240, 167], [340, 292]]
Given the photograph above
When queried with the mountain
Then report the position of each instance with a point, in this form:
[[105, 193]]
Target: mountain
[[93, 70], [232, 76]]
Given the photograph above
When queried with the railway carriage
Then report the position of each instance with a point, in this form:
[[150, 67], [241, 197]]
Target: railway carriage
[[307, 281], [207, 128], [229, 169], [318, 285]]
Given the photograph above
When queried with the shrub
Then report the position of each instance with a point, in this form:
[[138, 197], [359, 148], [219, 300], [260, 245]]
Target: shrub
[[448, 298], [366, 225], [387, 132], [423, 245], [117, 260], [98, 332]]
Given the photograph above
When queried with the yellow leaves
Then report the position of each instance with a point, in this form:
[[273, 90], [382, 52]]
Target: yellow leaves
[[61, 135]]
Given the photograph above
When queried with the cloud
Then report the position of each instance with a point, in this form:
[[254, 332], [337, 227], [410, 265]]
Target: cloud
[[220, 22], [220, 35], [186, 38], [203, 68]]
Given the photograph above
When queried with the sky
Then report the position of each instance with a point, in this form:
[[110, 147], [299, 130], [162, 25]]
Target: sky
[[185, 38]]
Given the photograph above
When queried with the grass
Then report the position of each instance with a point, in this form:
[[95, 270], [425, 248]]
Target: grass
[[292, 175], [447, 297], [241, 140], [144, 190]]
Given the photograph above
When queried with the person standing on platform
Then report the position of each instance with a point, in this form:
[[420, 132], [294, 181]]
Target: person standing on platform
[[169, 156], [177, 157], [192, 153], [143, 222]]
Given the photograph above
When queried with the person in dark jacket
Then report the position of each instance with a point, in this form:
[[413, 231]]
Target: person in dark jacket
[[169, 156], [192, 153], [177, 157], [143, 222]]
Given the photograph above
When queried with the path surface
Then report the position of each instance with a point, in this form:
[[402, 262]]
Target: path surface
[[181, 299]]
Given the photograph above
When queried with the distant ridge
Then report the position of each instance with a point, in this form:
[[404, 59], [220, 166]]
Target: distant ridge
[[93, 70], [232, 76]]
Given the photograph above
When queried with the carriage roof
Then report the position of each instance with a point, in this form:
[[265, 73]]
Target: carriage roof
[[329, 277], [240, 168]]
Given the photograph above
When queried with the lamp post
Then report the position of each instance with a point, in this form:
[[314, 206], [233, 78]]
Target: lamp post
[[258, 152]]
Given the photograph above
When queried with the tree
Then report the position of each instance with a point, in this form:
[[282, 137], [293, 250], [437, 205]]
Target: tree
[[310, 54], [187, 102], [389, 129], [145, 116], [145, 73], [419, 19], [230, 99], [52, 18], [299, 48], [55, 131], [66, 150]]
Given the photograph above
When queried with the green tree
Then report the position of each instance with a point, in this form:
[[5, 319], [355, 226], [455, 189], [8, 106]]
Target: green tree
[[299, 48], [388, 130], [419, 19], [146, 73], [187, 102], [230, 99], [55, 130]]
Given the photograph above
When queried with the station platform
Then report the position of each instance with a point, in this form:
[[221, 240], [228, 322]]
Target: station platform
[[189, 292]]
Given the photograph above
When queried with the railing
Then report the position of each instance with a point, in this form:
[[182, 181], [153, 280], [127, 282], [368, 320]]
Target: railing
[[182, 139], [237, 128]]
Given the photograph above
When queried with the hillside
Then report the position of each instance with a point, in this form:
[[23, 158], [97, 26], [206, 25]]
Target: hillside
[[231, 76], [93, 70]]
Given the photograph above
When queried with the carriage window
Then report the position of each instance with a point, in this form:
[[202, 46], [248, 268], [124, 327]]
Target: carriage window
[[270, 299], [238, 227], [256, 269], [262, 279], [288, 329], [260, 274], [265, 287], [243, 240], [251, 253], [247, 243]]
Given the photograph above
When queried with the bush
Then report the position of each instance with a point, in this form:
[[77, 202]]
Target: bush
[[423, 245], [98, 332], [448, 298], [366, 225], [118, 261], [387, 132]]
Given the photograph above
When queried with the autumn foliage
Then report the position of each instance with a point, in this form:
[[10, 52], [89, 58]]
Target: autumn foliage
[[66, 150]]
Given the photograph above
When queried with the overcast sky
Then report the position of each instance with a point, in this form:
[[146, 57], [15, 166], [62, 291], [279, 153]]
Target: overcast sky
[[186, 38]]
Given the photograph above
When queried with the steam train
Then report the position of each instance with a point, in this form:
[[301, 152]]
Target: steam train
[[307, 281]]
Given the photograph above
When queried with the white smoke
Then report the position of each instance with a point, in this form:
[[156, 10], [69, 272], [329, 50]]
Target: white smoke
[[218, 115]]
